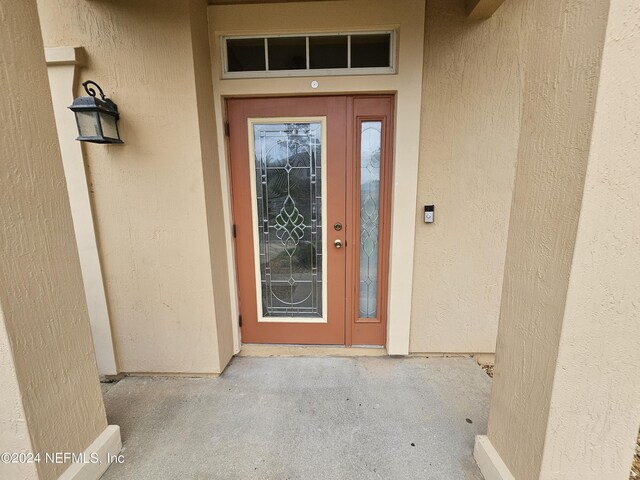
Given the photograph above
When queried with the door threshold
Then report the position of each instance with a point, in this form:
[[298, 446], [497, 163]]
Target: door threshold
[[262, 350]]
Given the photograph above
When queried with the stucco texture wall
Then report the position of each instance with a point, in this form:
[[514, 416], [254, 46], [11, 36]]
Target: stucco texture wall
[[50, 399], [12, 416], [561, 51], [597, 381], [471, 102], [150, 195]]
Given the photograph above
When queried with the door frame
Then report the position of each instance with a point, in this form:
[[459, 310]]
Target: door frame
[[360, 107], [402, 228]]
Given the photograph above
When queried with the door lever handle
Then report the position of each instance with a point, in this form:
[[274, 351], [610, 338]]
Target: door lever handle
[[337, 243]]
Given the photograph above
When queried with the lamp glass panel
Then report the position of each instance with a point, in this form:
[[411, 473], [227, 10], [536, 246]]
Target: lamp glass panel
[[87, 124], [109, 128]]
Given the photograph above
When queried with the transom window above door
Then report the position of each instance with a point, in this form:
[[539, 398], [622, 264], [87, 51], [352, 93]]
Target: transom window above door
[[357, 53]]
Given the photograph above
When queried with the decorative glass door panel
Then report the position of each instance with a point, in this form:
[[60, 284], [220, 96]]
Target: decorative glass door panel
[[370, 144], [289, 217]]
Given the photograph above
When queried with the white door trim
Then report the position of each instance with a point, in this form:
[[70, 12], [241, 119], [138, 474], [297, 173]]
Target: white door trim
[[406, 84]]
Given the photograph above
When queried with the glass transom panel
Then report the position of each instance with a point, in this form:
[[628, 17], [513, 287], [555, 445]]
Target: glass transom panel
[[370, 145], [288, 194], [309, 54]]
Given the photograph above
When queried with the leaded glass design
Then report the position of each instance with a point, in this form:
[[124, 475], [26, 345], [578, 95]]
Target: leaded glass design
[[288, 172], [370, 143]]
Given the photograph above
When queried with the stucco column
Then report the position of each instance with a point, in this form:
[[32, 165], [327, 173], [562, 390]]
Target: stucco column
[[50, 400], [565, 402]]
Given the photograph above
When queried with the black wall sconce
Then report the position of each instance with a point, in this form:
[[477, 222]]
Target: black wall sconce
[[97, 118]]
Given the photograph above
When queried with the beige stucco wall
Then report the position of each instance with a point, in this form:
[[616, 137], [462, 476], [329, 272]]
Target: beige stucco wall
[[561, 51], [46, 356], [596, 386], [150, 195], [345, 15], [219, 249], [13, 425], [471, 101], [152, 254]]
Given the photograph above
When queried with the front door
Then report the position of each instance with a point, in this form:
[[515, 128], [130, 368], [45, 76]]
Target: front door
[[310, 181]]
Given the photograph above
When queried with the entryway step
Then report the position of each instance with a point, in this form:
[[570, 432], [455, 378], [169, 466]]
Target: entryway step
[[258, 350]]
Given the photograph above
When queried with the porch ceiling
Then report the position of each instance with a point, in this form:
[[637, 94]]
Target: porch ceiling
[[482, 8], [241, 2], [475, 8]]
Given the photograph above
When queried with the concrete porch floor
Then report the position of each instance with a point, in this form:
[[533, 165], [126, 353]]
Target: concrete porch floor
[[304, 418]]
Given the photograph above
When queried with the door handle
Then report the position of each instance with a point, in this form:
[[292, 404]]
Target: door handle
[[337, 243]]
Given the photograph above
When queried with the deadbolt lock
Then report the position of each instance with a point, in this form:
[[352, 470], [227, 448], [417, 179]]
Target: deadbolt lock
[[337, 226]]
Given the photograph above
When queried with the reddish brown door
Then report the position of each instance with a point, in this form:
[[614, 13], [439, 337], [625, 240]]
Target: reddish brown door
[[310, 180]]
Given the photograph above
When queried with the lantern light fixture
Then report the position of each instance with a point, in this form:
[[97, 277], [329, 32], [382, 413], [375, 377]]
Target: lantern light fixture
[[97, 118]]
